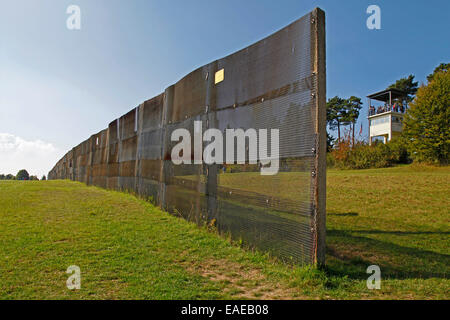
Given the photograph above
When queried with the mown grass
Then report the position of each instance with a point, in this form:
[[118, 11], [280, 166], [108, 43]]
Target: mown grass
[[397, 218]]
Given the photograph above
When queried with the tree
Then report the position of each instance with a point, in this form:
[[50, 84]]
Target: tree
[[343, 112], [34, 178], [10, 177], [407, 85], [44, 178], [2, 177], [352, 106], [330, 140], [443, 67], [426, 124], [23, 175], [336, 114]]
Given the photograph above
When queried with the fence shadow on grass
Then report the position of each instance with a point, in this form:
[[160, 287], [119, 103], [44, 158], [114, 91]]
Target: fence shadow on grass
[[344, 214], [350, 255]]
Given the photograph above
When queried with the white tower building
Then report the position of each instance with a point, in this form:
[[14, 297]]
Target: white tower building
[[386, 114]]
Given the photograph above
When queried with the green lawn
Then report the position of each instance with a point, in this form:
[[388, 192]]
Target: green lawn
[[397, 218]]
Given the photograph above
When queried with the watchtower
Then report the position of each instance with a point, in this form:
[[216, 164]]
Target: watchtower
[[386, 113]]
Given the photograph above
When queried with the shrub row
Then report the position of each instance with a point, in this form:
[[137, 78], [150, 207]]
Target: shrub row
[[363, 156]]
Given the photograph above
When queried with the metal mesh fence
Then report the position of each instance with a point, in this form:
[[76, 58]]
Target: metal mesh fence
[[276, 83]]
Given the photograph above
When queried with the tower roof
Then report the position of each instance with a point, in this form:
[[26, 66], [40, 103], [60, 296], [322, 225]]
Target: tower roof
[[384, 95]]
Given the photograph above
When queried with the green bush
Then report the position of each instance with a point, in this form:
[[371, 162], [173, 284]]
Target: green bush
[[398, 151], [363, 156], [330, 160]]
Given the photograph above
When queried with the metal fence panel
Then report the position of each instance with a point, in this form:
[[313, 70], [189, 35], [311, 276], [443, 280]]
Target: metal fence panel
[[276, 83]]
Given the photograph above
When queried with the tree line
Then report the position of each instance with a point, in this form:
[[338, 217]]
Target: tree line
[[426, 127], [21, 175], [344, 112]]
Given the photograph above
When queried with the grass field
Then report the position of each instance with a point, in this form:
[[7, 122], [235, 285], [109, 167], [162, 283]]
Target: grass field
[[397, 218]]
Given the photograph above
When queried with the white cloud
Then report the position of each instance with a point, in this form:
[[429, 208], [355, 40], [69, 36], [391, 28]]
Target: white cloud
[[37, 157]]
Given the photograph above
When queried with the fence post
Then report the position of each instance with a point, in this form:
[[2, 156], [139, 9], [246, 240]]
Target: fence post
[[319, 65]]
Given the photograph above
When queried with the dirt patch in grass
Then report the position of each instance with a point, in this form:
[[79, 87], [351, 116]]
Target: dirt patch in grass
[[241, 282]]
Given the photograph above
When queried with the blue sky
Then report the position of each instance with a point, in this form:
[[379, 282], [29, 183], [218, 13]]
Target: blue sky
[[57, 87]]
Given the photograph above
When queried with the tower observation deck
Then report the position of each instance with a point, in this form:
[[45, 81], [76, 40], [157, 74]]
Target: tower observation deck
[[386, 111]]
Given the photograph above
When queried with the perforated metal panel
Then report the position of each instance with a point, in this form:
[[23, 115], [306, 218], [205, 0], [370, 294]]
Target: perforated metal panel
[[276, 83]]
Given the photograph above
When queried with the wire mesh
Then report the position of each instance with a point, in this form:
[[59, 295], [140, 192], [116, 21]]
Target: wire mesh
[[271, 84]]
